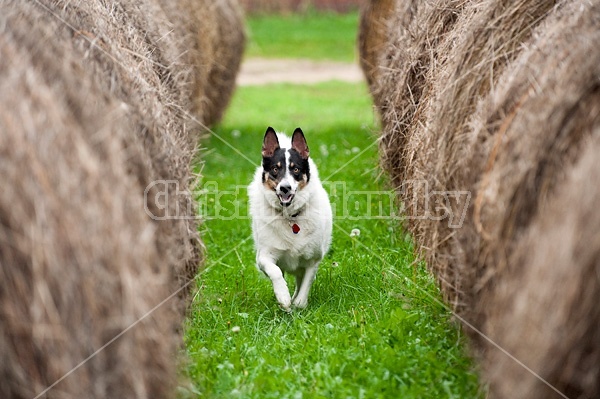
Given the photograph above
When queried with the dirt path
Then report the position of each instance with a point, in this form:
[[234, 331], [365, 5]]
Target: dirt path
[[260, 71]]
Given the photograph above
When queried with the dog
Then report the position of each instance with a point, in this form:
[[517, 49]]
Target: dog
[[291, 216]]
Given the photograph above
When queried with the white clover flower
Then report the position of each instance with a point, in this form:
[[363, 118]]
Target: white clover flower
[[235, 329], [355, 233]]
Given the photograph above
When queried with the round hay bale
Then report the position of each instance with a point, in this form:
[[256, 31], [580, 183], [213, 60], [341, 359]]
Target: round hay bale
[[99, 103], [536, 131], [496, 100], [441, 58], [413, 32], [227, 46], [545, 308], [373, 35], [486, 37]]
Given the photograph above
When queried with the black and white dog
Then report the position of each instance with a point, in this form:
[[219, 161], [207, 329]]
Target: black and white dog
[[291, 216]]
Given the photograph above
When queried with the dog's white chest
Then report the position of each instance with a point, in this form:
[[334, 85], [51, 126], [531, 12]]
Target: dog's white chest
[[278, 238]]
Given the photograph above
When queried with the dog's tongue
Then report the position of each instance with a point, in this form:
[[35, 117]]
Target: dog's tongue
[[285, 197]]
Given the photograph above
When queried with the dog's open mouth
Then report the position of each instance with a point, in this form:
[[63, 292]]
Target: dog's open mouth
[[285, 198]]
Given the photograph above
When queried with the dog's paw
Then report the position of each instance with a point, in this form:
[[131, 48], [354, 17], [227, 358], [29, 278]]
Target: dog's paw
[[286, 306], [284, 300], [286, 310], [300, 303], [282, 294]]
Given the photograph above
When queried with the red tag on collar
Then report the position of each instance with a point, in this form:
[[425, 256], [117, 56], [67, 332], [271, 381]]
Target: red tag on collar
[[295, 228]]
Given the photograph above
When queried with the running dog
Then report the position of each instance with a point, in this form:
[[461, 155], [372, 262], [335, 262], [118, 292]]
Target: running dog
[[291, 216]]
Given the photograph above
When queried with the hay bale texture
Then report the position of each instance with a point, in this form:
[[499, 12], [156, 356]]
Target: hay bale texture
[[502, 99], [98, 100], [374, 22]]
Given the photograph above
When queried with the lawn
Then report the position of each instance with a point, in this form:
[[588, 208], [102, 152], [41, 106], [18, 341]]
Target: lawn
[[375, 326], [317, 36]]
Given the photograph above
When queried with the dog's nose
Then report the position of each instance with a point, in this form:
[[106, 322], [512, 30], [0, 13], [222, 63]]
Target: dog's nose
[[285, 188]]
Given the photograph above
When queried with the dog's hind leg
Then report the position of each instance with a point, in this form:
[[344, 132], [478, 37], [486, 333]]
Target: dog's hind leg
[[299, 274], [273, 271], [303, 288]]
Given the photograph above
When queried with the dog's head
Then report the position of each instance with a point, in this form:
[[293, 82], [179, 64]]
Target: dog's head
[[285, 170]]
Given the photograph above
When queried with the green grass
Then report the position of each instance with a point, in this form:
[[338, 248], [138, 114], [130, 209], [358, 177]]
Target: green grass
[[312, 35], [374, 327]]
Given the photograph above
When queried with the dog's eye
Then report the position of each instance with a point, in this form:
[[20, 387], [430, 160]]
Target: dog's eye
[[274, 170], [296, 170]]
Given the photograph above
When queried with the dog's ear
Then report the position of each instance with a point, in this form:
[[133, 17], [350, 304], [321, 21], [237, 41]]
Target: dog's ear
[[299, 143], [270, 143]]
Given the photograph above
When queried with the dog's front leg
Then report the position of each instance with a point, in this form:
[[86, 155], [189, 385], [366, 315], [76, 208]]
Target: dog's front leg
[[273, 271], [301, 296]]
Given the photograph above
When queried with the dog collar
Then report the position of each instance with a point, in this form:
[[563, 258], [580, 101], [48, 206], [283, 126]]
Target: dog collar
[[295, 227]]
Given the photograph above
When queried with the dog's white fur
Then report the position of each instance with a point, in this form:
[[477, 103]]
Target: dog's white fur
[[278, 249]]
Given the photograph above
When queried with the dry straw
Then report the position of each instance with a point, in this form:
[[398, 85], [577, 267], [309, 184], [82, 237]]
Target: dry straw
[[502, 99], [372, 35], [97, 100]]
